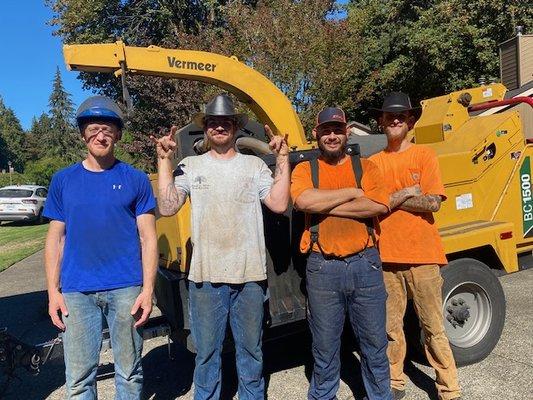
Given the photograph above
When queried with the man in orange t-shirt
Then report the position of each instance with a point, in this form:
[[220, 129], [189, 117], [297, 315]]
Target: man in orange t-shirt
[[343, 274], [410, 245]]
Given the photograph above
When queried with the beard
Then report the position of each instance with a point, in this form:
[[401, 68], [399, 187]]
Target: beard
[[332, 156]]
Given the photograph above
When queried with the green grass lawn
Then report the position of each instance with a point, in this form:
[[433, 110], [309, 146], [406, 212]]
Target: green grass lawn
[[18, 241]]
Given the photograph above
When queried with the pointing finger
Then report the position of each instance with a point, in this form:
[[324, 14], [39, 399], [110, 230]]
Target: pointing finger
[[173, 131], [268, 132]]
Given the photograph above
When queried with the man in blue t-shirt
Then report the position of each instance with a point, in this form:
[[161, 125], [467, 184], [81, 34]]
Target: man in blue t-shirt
[[100, 255]]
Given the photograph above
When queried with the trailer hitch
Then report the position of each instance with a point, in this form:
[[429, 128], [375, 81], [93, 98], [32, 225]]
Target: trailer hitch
[[15, 354]]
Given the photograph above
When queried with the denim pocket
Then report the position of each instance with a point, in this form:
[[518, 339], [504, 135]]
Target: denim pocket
[[314, 263], [371, 256]]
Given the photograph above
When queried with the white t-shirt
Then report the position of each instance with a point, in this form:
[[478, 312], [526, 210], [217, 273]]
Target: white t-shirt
[[226, 218]]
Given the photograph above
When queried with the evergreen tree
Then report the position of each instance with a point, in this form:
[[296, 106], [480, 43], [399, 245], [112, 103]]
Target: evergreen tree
[[11, 139], [426, 48], [36, 146], [61, 106], [60, 137]]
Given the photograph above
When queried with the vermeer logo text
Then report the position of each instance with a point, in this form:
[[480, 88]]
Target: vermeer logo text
[[198, 66]]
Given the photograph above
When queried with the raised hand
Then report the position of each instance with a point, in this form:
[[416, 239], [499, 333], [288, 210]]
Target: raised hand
[[165, 146], [278, 144]]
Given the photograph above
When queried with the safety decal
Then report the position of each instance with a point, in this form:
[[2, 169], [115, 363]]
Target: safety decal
[[527, 202], [487, 93], [464, 201]]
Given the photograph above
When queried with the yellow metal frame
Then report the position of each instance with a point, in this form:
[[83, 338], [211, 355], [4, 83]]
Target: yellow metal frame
[[267, 102], [480, 158], [478, 234], [442, 116]]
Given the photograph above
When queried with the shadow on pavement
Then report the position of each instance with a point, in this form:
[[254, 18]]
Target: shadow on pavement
[[167, 378], [22, 223], [421, 380], [26, 317]]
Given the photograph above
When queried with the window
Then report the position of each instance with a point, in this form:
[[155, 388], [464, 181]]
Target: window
[[14, 193]]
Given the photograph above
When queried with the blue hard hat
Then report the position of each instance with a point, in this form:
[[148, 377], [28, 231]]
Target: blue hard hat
[[99, 107]]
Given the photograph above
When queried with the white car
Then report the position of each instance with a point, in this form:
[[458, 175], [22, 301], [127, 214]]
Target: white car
[[22, 203]]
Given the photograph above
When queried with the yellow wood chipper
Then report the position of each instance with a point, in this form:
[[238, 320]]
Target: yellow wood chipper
[[482, 138]]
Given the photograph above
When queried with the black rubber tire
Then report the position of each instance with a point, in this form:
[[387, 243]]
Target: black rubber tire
[[459, 272], [454, 274], [40, 218]]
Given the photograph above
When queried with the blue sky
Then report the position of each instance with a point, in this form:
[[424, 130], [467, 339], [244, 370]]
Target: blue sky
[[30, 56]]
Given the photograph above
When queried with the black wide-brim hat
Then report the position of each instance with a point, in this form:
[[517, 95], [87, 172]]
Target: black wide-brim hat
[[396, 102], [220, 106]]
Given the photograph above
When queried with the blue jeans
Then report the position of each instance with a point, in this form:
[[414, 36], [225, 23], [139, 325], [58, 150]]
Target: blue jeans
[[210, 307], [353, 286], [82, 342]]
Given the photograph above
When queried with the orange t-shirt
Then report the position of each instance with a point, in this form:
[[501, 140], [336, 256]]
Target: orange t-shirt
[[338, 236], [407, 237]]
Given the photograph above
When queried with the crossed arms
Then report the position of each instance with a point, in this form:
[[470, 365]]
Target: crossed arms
[[411, 199], [352, 203], [346, 202]]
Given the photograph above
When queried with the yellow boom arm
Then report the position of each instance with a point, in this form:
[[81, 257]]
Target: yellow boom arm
[[268, 103]]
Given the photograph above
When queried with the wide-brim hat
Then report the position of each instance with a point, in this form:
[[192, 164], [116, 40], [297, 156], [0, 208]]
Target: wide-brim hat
[[395, 102], [220, 106]]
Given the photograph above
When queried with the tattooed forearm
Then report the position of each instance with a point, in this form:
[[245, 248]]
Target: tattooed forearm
[[427, 203], [280, 168], [399, 197], [170, 200], [278, 198]]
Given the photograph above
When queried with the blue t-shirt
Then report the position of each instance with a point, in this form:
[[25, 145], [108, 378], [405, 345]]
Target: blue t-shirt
[[102, 246]]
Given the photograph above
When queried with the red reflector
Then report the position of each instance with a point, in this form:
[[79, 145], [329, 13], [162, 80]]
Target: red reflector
[[506, 235]]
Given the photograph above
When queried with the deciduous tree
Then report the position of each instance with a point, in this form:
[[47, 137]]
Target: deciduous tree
[[427, 48]]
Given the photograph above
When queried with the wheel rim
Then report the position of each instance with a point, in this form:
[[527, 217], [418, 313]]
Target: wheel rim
[[461, 331]]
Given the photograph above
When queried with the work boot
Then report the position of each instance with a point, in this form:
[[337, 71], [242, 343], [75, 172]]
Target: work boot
[[398, 394]]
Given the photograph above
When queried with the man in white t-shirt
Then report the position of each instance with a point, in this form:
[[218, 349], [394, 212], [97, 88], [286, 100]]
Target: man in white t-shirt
[[228, 266]]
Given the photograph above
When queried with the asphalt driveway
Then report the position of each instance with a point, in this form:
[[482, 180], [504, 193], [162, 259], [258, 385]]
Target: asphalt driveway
[[506, 374]]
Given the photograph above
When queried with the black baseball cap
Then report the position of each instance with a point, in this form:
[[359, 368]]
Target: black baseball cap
[[330, 114]]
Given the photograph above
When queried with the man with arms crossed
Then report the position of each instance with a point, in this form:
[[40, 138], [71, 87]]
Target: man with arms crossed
[[100, 256], [410, 245], [228, 266], [343, 273]]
